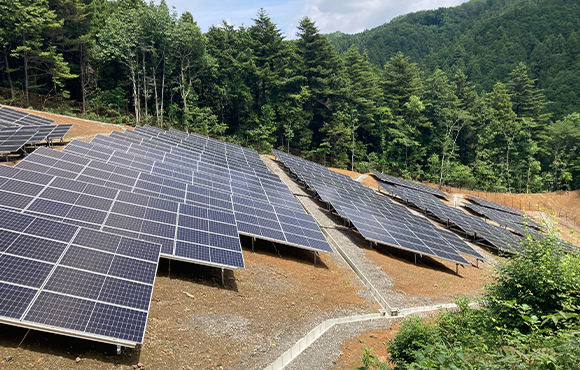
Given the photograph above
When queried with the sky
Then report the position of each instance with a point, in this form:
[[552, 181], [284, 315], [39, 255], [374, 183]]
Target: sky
[[348, 16]]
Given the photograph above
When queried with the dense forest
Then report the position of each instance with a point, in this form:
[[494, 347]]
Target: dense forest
[[463, 96]]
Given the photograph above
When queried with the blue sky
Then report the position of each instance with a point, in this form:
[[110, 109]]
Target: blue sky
[[348, 16]]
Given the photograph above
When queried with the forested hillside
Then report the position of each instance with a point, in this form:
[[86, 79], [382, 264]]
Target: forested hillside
[[487, 39], [422, 112]]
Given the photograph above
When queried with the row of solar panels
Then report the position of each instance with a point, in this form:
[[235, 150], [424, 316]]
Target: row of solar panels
[[376, 217], [12, 117], [187, 197], [18, 129], [497, 236]]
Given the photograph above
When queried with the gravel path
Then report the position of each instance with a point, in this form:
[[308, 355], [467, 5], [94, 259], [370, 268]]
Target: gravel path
[[270, 350], [324, 352]]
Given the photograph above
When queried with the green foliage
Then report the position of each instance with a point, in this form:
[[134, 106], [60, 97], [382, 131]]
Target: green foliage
[[413, 335], [529, 319], [369, 361], [542, 278], [487, 40], [482, 95]]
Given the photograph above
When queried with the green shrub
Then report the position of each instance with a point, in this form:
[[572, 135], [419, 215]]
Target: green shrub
[[413, 335], [541, 276], [529, 319]]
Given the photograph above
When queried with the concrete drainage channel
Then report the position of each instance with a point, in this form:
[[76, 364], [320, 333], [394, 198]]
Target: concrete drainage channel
[[386, 313], [318, 331]]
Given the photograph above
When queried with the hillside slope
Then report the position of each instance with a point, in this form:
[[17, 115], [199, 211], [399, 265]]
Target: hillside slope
[[487, 39]]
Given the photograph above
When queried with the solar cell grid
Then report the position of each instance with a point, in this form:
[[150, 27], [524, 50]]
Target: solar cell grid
[[40, 289], [214, 199], [96, 206], [498, 237], [369, 211], [494, 205]]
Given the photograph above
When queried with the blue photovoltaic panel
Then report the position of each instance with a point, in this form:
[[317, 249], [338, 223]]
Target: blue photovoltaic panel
[[65, 279], [123, 213], [410, 184], [498, 237], [246, 188], [375, 217]]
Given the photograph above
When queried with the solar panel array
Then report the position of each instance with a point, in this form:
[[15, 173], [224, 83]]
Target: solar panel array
[[13, 117], [263, 205], [12, 139], [71, 280], [174, 195], [375, 216], [409, 184], [518, 223], [494, 205], [19, 128], [498, 237], [62, 185]]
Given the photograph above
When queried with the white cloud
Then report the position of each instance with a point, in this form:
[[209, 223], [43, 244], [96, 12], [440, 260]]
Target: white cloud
[[355, 16], [348, 16]]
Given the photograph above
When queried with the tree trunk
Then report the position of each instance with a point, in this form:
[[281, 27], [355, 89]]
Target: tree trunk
[[83, 80], [441, 173], [352, 154], [25, 57], [156, 98], [145, 89], [162, 92], [135, 96], [8, 73]]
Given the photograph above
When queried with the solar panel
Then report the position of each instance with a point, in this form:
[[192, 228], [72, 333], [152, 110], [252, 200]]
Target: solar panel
[[51, 280], [42, 134], [375, 217], [18, 118], [498, 237], [263, 206], [519, 223], [14, 139], [494, 205], [409, 184], [60, 131], [169, 223]]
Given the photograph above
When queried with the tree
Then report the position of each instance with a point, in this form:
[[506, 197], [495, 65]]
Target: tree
[[502, 129], [264, 128], [400, 81], [565, 144], [442, 108], [188, 50], [319, 67], [119, 41], [33, 20], [270, 59], [363, 93]]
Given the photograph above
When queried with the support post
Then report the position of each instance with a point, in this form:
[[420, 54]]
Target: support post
[[415, 258], [253, 240], [118, 350], [371, 243], [223, 280], [314, 258]]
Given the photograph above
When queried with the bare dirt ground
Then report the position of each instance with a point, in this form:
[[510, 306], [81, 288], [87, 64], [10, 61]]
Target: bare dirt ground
[[354, 347]]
